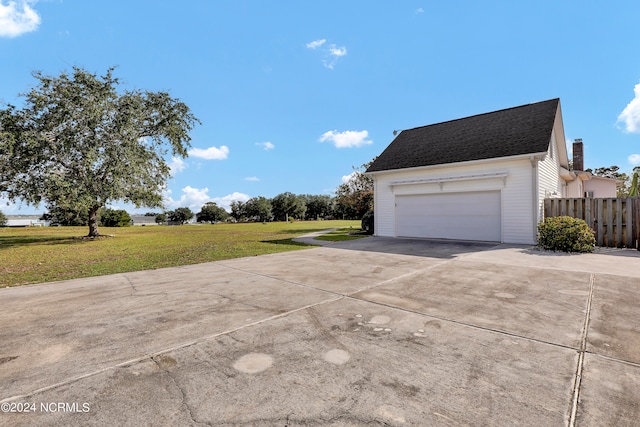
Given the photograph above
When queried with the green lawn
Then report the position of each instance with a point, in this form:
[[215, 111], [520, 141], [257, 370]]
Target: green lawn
[[35, 255]]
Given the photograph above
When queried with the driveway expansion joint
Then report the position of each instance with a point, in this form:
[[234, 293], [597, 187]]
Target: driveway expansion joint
[[577, 382], [468, 325]]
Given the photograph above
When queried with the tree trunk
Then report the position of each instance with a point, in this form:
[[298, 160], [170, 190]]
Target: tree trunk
[[93, 221]]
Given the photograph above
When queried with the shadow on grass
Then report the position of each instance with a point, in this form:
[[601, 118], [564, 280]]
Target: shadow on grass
[[13, 241], [289, 242], [337, 237], [301, 232]]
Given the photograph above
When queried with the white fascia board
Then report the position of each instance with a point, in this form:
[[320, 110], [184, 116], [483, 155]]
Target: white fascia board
[[441, 179], [530, 156], [561, 143], [604, 178], [567, 175]]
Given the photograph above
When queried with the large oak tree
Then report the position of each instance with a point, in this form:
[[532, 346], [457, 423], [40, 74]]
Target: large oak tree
[[79, 141]]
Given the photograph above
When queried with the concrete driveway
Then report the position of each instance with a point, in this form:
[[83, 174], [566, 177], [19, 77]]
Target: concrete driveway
[[369, 332]]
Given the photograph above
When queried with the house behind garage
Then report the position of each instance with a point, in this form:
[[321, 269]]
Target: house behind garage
[[481, 178], [26, 221]]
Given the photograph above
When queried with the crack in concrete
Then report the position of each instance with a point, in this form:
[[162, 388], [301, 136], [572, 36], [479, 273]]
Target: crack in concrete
[[130, 283], [577, 381], [182, 392], [237, 301]]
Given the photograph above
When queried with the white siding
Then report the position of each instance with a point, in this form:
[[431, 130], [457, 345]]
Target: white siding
[[516, 193], [383, 208], [601, 187], [549, 181], [517, 204], [574, 188]]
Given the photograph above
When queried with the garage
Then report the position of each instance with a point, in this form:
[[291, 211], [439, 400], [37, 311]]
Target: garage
[[463, 216]]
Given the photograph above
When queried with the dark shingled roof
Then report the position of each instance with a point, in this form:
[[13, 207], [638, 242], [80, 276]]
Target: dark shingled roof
[[519, 130]]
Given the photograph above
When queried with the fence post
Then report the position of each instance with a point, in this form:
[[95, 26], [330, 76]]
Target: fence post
[[580, 209], [618, 223], [636, 222], [599, 218], [547, 208], [629, 243]]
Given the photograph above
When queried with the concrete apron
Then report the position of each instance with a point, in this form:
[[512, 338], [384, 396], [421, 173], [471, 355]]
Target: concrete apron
[[357, 333]]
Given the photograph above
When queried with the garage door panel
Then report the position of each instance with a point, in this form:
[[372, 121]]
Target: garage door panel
[[467, 216]]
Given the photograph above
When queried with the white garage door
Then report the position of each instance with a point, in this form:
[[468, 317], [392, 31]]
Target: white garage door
[[463, 216]]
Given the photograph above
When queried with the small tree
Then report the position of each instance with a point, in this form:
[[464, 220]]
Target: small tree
[[161, 218], [3, 219], [318, 206], [211, 213], [115, 218], [80, 142], [258, 209], [287, 205], [180, 215], [238, 211], [355, 196]]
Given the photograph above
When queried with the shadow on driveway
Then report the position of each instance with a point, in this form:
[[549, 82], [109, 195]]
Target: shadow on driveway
[[432, 248], [617, 252]]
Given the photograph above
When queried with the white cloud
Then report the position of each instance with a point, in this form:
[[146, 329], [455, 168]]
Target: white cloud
[[634, 159], [266, 145], [347, 178], [225, 201], [333, 54], [337, 51], [177, 165], [17, 17], [316, 43], [330, 52], [419, 10], [211, 153], [347, 139], [192, 198], [195, 198], [252, 178], [631, 114]]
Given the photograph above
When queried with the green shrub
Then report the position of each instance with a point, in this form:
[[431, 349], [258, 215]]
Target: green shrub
[[367, 222], [563, 233], [3, 219], [115, 218]]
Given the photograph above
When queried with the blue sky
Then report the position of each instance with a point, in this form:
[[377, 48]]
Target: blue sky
[[291, 95]]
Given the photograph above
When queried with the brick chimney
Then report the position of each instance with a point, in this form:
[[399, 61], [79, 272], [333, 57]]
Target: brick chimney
[[578, 155]]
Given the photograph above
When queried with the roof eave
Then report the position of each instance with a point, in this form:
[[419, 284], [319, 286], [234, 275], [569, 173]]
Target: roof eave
[[529, 156]]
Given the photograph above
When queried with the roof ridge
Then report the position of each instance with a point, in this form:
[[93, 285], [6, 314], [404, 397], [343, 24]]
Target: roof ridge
[[483, 114]]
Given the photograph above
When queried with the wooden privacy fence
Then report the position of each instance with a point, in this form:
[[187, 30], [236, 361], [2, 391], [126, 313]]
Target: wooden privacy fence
[[616, 222]]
